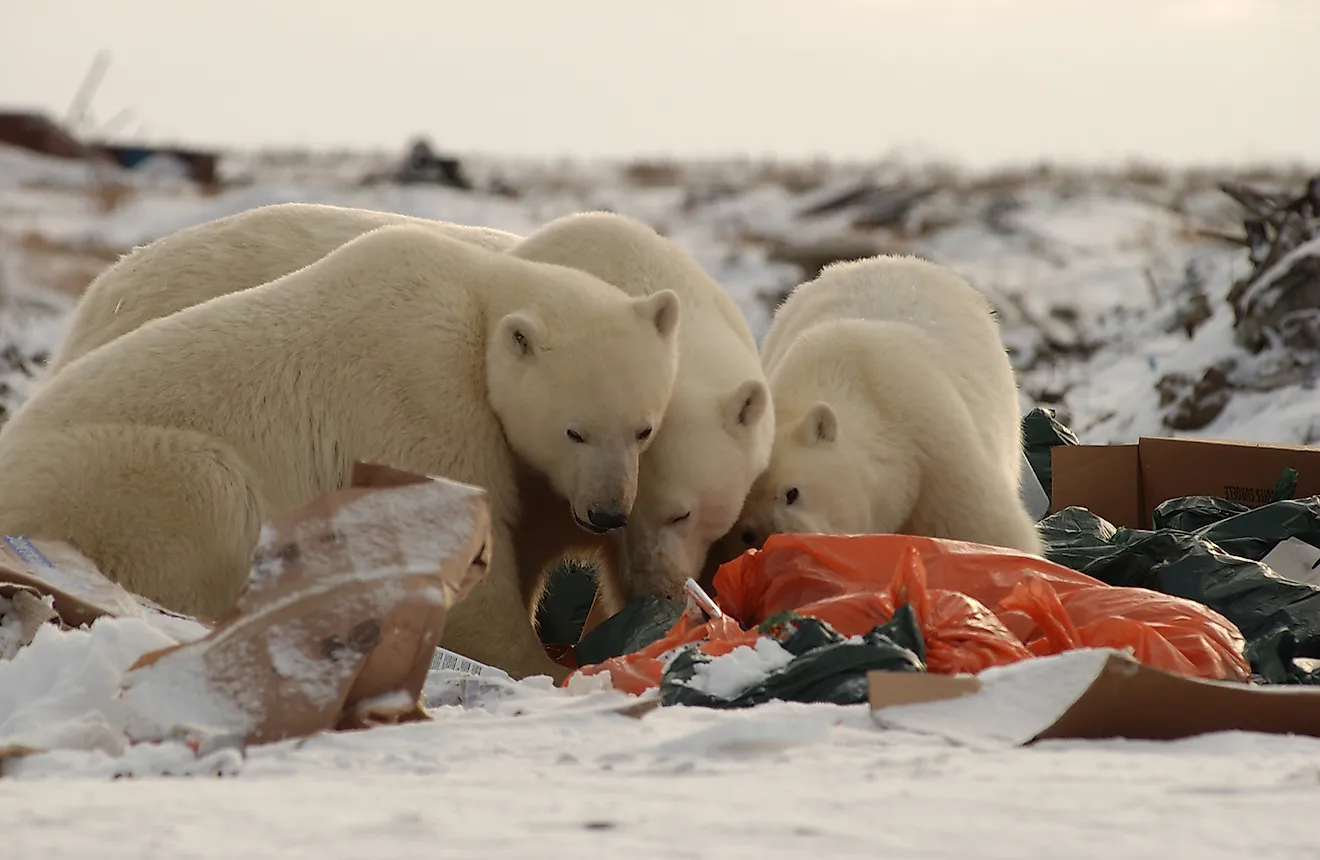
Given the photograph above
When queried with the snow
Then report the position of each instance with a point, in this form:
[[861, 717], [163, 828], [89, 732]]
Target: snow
[[730, 674], [1087, 271]]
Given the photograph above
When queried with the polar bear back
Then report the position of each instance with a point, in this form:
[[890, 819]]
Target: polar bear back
[[638, 260], [221, 256], [394, 373]]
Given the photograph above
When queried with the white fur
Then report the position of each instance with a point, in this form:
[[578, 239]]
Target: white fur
[[719, 427], [220, 256], [161, 453], [896, 411], [702, 464]]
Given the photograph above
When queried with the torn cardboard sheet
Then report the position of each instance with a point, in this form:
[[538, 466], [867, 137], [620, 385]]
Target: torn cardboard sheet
[[81, 592], [1084, 694], [1296, 560], [21, 615], [338, 623]]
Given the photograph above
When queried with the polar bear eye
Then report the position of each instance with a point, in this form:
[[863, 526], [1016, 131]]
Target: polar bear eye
[[678, 519], [576, 437], [644, 434], [791, 496]]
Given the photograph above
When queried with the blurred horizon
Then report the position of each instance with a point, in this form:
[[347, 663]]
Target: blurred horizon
[[979, 83]]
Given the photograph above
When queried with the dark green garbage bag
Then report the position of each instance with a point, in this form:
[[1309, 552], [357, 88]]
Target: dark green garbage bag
[[1236, 527], [1279, 618], [632, 628], [826, 666], [567, 599], [1041, 432]]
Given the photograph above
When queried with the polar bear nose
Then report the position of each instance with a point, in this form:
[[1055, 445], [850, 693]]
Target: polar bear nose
[[606, 519]]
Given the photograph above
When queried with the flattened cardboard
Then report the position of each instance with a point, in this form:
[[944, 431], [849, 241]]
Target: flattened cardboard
[[30, 611], [1124, 699], [81, 592], [337, 624], [1125, 483]]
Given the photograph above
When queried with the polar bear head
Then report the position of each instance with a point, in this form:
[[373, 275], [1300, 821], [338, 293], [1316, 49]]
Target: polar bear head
[[580, 384], [694, 480], [826, 477]]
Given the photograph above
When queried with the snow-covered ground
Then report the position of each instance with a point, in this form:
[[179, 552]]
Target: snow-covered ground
[[1090, 273]]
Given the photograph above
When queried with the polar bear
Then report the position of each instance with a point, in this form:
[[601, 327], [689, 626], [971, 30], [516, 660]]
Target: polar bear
[[696, 475], [719, 428], [217, 257], [896, 411], [161, 458]]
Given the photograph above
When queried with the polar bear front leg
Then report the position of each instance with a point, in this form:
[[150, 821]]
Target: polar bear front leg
[[493, 624]]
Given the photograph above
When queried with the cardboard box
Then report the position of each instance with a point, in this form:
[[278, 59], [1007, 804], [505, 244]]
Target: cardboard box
[[1085, 694], [1124, 483]]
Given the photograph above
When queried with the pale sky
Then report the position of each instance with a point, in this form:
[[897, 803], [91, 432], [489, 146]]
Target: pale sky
[[977, 81]]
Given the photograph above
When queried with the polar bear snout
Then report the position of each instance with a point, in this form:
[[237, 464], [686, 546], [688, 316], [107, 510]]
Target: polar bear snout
[[602, 519]]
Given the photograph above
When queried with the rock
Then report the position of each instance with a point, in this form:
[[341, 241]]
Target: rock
[[1196, 408], [813, 256], [1282, 235]]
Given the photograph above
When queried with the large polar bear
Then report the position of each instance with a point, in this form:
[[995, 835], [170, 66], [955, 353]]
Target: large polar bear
[[719, 424], [719, 428], [161, 454], [220, 256], [896, 411]]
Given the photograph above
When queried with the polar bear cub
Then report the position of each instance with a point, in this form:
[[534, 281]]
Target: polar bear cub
[[216, 257], [896, 411], [719, 428], [161, 456]]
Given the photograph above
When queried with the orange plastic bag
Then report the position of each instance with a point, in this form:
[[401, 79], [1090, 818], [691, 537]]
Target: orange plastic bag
[[641, 670], [1162, 631], [1186, 638], [978, 606]]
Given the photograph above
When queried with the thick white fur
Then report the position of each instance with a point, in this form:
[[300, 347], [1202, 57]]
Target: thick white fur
[[896, 411], [161, 454], [220, 256], [719, 427]]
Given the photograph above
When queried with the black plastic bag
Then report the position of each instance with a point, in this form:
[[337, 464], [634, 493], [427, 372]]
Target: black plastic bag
[[1041, 432], [826, 666], [632, 628], [569, 592], [1279, 618]]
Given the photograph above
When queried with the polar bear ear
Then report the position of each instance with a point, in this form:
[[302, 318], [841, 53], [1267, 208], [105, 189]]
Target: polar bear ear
[[820, 426], [521, 334], [662, 311], [744, 408]]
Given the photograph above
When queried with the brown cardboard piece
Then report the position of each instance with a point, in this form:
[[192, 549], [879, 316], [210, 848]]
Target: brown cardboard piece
[[81, 592], [335, 628], [1124, 483], [338, 621], [1110, 695]]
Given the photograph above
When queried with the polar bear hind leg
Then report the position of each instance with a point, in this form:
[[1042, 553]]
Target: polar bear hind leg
[[170, 514]]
